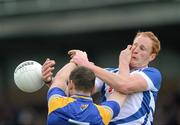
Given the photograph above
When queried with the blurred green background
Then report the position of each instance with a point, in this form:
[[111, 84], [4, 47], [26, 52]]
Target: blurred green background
[[37, 29]]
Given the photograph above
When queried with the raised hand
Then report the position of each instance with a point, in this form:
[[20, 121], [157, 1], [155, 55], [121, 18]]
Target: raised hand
[[47, 69], [125, 55], [79, 57]]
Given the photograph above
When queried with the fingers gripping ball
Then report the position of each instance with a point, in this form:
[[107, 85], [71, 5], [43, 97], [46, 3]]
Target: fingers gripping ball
[[28, 76]]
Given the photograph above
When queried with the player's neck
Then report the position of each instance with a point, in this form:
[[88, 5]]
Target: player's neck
[[81, 93], [134, 68]]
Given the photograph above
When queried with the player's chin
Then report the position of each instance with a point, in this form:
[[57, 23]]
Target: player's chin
[[133, 64]]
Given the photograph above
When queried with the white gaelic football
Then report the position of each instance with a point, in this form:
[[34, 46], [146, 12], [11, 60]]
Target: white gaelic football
[[28, 76]]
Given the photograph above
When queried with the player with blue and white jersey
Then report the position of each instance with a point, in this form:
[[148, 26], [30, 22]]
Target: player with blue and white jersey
[[135, 78], [139, 107]]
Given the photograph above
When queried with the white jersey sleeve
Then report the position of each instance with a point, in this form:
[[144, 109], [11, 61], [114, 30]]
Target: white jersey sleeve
[[98, 84], [152, 77]]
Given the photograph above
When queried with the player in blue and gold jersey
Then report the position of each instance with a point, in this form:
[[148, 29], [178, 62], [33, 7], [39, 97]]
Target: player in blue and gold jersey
[[78, 108]]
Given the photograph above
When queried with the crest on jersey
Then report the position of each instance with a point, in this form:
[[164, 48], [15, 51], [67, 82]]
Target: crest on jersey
[[83, 106]]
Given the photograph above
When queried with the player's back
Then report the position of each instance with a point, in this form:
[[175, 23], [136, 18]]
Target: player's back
[[77, 110]]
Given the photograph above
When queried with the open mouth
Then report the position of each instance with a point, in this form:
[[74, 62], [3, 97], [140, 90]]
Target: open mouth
[[134, 58]]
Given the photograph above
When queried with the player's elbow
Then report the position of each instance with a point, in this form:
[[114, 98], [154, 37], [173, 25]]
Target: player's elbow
[[124, 88], [124, 91]]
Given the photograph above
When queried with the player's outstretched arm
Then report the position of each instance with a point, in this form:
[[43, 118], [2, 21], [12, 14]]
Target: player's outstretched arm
[[124, 84], [118, 97], [62, 76]]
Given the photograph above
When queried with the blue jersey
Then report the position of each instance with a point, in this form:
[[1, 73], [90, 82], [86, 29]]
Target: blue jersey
[[78, 109], [139, 107]]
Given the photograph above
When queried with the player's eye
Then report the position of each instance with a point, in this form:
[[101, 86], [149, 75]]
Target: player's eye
[[142, 48]]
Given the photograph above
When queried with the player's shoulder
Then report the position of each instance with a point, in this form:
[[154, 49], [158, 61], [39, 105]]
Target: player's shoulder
[[55, 91], [56, 94], [152, 70], [153, 73], [146, 70]]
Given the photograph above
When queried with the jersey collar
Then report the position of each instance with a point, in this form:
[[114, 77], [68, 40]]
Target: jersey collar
[[78, 96]]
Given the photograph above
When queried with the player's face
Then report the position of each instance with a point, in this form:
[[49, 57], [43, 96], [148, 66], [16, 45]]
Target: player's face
[[141, 52]]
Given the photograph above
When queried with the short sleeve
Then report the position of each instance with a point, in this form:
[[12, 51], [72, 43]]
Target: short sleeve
[[113, 107], [152, 76], [55, 91]]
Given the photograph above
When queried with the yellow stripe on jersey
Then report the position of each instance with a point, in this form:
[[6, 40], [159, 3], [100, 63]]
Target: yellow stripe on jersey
[[106, 114], [56, 102]]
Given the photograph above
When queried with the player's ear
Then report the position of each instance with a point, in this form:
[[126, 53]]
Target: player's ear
[[152, 57], [70, 84], [93, 90]]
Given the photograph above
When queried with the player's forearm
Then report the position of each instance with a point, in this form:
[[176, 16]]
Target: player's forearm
[[62, 76], [124, 67], [116, 81], [124, 75], [118, 97]]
